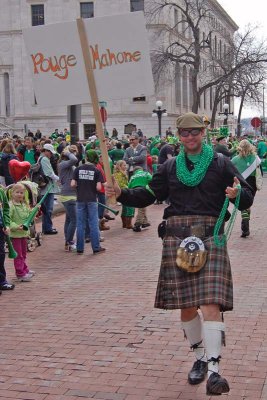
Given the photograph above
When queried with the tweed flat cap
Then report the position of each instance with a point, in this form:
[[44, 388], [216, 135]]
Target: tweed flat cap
[[190, 120]]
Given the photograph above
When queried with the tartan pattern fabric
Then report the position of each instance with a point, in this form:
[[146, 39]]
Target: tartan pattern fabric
[[211, 285]]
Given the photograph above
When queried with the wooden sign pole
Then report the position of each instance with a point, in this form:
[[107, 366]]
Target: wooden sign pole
[[95, 101]]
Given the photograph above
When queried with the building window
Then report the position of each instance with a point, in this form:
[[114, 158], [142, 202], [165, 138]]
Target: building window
[[177, 84], [191, 100], [89, 130], [137, 5], [87, 9], [37, 14], [183, 24], [211, 99], [185, 88], [129, 129], [139, 99], [7, 94], [176, 19]]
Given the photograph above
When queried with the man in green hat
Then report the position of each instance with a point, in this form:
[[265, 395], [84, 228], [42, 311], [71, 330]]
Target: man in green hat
[[195, 274], [221, 147]]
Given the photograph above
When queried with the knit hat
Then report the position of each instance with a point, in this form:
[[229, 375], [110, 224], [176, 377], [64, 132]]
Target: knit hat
[[190, 120], [92, 156]]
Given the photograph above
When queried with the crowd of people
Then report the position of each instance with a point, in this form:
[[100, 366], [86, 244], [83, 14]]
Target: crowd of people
[[188, 171]]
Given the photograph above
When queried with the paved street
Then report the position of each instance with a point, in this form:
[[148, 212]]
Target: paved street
[[85, 327]]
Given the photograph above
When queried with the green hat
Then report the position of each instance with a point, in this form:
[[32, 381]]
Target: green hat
[[172, 140], [190, 120], [221, 137], [92, 156]]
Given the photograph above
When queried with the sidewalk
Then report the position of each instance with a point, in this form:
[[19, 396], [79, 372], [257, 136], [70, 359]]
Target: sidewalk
[[85, 327]]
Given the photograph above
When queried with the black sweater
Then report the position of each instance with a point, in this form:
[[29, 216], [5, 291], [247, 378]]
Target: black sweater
[[207, 198]]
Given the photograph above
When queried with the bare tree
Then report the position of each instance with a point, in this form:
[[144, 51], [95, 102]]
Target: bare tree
[[209, 68]]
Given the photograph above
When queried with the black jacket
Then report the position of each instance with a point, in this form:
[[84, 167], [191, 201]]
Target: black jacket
[[207, 198]]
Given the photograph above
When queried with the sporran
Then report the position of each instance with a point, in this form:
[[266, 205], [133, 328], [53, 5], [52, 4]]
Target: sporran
[[191, 254]]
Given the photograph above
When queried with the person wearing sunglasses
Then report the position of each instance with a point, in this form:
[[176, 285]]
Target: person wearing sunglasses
[[135, 155], [195, 273]]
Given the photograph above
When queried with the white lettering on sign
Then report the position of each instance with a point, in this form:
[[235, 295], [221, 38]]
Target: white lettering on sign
[[86, 175]]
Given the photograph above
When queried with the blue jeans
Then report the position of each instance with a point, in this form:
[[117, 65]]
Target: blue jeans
[[48, 205], [102, 199], [70, 220], [90, 211]]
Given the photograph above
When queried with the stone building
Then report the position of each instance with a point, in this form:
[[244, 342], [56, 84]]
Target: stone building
[[18, 108]]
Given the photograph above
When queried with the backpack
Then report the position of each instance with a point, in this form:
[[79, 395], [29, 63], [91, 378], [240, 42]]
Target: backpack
[[37, 175]]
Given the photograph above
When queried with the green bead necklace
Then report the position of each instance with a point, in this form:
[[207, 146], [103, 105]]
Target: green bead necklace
[[194, 177], [221, 240]]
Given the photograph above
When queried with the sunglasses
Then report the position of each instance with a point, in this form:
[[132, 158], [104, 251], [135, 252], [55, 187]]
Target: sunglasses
[[186, 133]]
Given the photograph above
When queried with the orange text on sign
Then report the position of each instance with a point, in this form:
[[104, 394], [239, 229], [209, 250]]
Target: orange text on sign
[[111, 58], [58, 65]]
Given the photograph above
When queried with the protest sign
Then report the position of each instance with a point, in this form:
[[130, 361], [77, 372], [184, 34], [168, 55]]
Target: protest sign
[[119, 52]]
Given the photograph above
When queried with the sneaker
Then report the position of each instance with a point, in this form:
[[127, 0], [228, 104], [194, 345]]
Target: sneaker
[[25, 278], [7, 286], [53, 232], [100, 250], [146, 225], [79, 251], [101, 239], [137, 228], [70, 246], [31, 272]]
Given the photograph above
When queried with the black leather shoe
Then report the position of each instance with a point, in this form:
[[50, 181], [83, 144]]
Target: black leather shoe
[[100, 250], [53, 232], [198, 372], [109, 218], [217, 385]]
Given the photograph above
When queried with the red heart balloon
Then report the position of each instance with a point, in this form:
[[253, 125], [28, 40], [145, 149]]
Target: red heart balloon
[[18, 169]]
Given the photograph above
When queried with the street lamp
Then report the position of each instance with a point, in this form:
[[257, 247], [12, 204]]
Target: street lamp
[[225, 113], [159, 112]]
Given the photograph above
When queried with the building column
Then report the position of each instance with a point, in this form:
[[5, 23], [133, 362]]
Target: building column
[[2, 96]]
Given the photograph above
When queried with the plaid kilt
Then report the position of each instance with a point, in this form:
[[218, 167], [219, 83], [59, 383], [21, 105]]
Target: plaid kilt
[[211, 285]]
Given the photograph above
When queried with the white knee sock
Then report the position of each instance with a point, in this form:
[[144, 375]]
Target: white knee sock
[[212, 335], [193, 332]]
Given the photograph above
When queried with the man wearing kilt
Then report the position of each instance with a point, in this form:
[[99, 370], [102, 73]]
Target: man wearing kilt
[[195, 272]]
